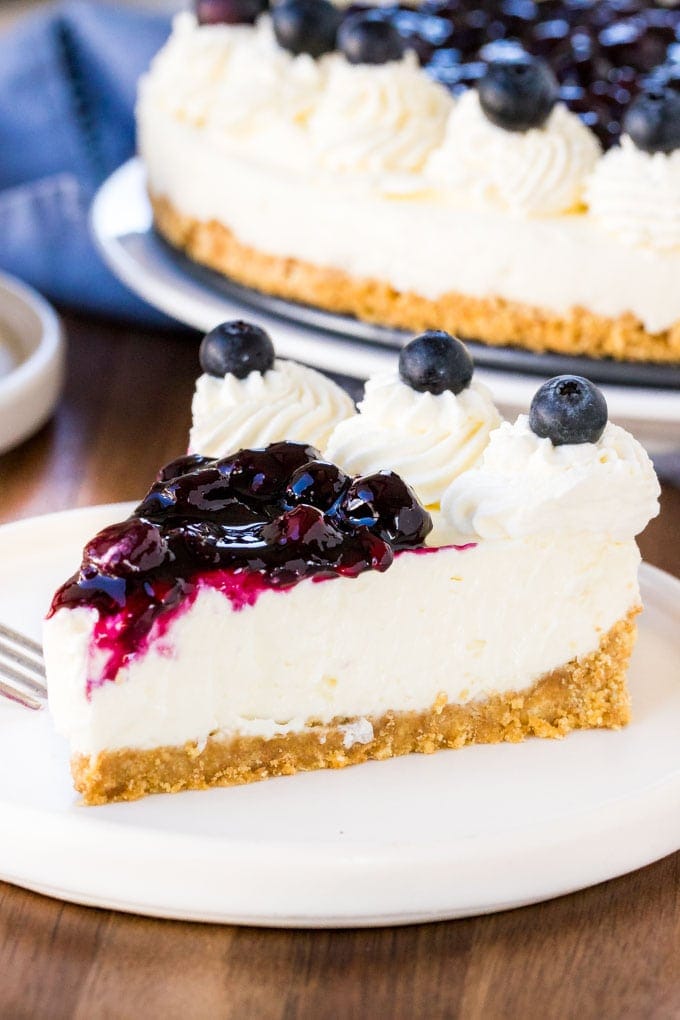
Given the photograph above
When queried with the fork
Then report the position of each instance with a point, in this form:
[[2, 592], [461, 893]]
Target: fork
[[22, 670]]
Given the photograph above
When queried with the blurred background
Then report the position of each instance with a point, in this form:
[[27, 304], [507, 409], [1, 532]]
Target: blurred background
[[10, 10]]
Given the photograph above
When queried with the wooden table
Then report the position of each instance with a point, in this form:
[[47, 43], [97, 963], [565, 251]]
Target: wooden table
[[609, 952]]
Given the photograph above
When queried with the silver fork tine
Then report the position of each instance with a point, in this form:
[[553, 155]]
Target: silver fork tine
[[20, 697], [20, 639], [25, 685], [34, 665], [8, 673]]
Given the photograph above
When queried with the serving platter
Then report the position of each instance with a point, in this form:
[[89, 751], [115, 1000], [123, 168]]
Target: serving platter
[[420, 838]]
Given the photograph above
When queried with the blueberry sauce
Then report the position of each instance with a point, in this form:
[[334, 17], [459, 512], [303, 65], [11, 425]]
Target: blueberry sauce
[[255, 521], [603, 52]]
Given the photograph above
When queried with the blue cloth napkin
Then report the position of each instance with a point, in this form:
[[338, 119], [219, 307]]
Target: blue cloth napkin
[[68, 79]]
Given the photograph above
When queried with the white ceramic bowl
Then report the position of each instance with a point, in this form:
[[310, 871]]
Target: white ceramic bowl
[[32, 346]]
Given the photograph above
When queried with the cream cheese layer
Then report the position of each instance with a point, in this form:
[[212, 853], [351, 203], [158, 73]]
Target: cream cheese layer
[[459, 623]]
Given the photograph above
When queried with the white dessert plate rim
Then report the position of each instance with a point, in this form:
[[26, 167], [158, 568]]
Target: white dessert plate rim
[[309, 850], [121, 224], [29, 391]]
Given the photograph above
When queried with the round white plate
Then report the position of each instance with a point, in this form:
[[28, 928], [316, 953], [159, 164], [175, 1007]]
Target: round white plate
[[411, 839], [31, 361], [122, 226]]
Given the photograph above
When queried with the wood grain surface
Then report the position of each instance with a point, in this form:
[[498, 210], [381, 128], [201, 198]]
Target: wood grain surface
[[608, 952]]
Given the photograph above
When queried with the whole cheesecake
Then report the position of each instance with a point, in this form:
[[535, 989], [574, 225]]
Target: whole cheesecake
[[267, 611], [507, 171]]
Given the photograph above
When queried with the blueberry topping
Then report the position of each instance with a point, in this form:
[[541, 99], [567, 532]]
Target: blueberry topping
[[236, 348], [372, 550], [206, 543], [367, 39], [181, 466], [264, 474], [229, 12], [385, 504], [434, 362], [518, 93], [306, 529], [568, 409], [259, 519], [317, 483], [653, 120], [306, 26], [133, 547]]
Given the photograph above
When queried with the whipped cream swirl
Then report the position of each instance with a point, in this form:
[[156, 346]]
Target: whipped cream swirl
[[372, 119], [636, 195], [238, 84], [541, 171], [526, 486], [427, 438], [287, 402]]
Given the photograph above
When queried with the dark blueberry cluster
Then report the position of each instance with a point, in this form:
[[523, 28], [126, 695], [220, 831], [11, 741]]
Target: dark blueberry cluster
[[281, 513], [568, 409], [601, 53]]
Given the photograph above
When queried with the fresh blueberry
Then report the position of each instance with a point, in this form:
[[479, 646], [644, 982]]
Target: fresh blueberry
[[236, 348], [229, 12], [653, 120], [568, 409], [133, 547], [318, 484], [182, 466], [434, 362], [385, 504], [518, 93], [367, 39], [306, 26]]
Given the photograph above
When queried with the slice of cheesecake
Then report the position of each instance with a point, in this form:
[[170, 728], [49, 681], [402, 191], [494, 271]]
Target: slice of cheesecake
[[266, 613]]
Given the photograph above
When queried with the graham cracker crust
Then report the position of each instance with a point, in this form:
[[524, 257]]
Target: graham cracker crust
[[586, 693], [493, 320]]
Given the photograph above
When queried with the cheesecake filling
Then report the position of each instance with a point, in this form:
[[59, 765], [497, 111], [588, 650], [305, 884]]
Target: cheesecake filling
[[487, 619]]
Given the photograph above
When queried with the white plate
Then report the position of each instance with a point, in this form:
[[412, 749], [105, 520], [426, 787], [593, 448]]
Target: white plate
[[412, 839], [31, 361], [121, 223]]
